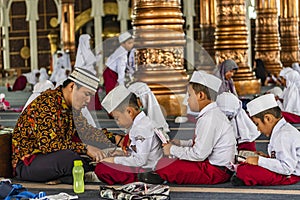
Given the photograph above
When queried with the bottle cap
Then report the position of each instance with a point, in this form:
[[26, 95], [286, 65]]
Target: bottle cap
[[77, 163]]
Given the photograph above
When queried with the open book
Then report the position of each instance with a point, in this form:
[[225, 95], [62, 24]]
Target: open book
[[244, 154], [162, 136]]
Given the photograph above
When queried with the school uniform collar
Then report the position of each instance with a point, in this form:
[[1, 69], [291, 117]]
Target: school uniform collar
[[138, 118], [279, 124], [206, 109]]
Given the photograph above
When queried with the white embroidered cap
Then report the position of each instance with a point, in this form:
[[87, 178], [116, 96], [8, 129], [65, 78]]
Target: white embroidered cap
[[206, 79], [261, 104], [84, 78], [115, 97], [124, 36]]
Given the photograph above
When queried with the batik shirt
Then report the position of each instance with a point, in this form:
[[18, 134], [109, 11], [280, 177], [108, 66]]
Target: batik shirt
[[47, 125]]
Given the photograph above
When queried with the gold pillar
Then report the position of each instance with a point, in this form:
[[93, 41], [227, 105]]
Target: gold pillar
[[267, 46], [68, 28], [289, 32], [231, 43], [208, 25], [159, 40]]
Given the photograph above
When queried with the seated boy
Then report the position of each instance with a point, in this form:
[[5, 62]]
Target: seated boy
[[145, 148], [282, 164], [204, 159]]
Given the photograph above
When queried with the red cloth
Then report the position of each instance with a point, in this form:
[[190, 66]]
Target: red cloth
[[112, 173], [250, 146], [20, 83], [256, 175], [190, 172], [110, 79], [290, 117]]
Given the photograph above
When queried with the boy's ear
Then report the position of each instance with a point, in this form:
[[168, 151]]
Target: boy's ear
[[201, 95], [269, 118]]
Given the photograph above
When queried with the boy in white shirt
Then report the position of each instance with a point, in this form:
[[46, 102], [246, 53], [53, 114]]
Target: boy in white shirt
[[206, 158], [144, 149], [282, 164], [114, 73]]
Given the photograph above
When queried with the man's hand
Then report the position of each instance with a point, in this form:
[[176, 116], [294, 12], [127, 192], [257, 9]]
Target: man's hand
[[253, 160], [166, 148], [262, 154], [95, 153]]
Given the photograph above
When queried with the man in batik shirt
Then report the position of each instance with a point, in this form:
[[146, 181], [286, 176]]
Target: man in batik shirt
[[45, 140]]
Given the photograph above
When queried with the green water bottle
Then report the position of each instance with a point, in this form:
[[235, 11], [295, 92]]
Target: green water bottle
[[78, 174]]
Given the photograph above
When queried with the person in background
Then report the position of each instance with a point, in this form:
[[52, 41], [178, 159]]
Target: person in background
[[62, 68], [51, 132], [281, 166], [260, 71], [85, 56], [44, 75], [245, 130], [206, 158], [225, 72], [32, 78], [145, 148], [117, 62]]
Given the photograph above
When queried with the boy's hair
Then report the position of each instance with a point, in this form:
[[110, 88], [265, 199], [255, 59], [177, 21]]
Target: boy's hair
[[211, 94], [130, 101], [68, 81], [275, 111]]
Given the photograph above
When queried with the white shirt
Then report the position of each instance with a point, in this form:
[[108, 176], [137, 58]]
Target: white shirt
[[147, 145], [117, 62], [214, 139], [285, 146]]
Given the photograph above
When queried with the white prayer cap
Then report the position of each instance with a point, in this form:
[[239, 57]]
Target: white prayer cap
[[228, 102], [206, 79], [115, 97], [124, 36], [277, 91], [261, 104], [84, 78]]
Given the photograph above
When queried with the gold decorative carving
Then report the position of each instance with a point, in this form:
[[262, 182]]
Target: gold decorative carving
[[53, 22], [267, 46], [82, 19], [159, 40], [25, 52], [289, 25], [231, 43], [110, 8]]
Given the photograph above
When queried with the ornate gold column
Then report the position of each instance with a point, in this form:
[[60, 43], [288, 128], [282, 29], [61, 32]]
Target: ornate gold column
[[208, 25], [231, 43], [159, 40], [68, 28], [267, 46], [289, 32]]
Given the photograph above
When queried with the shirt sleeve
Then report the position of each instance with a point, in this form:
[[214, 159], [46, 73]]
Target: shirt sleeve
[[89, 134], [142, 146], [121, 67], [286, 157], [204, 143], [186, 143]]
